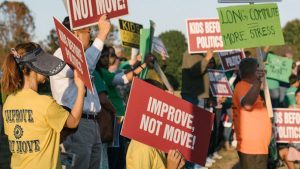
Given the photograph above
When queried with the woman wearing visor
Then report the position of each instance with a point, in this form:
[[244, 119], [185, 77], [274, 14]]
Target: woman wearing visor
[[33, 122]]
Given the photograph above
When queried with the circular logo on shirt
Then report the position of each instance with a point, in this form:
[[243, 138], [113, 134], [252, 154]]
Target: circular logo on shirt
[[18, 132]]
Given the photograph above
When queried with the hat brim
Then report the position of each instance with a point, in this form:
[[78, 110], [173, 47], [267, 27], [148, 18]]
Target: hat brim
[[46, 64]]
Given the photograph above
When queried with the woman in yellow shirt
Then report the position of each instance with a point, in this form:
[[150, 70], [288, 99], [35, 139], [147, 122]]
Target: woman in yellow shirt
[[33, 122]]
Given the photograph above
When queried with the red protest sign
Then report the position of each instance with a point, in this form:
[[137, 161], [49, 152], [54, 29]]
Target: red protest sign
[[219, 84], [231, 59], [204, 34], [164, 121], [287, 122], [73, 53], [84, 13]]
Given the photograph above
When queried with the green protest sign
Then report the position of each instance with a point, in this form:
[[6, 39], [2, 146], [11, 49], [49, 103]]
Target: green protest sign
[[130, 33], [249, 26], [279, 68], [146, 36]]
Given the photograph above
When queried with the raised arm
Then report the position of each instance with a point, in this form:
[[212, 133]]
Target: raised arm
[[93, 53]]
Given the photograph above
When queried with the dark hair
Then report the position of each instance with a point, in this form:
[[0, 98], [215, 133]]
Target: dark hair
[[104, 53], [247, 53], [293, 79], [13, 74], [66, 23], [247, 67]]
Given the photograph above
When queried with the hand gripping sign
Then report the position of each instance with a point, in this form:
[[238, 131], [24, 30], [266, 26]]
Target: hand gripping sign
[[73, 53], [164, 121]]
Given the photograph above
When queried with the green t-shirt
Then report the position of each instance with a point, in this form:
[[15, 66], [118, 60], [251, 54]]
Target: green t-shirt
[[290, 96], [113, 93], [272, 84], [124, 65], [99, 83]]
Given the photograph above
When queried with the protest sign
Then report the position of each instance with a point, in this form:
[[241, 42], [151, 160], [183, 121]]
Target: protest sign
[[85, 13], [249, 26], [287, 122], [279, 68], [204, 34], [219, 84], [146, 37], [73, 53], [130, 33], [231, 59], [246, 1], [159, 47], [164, 121]]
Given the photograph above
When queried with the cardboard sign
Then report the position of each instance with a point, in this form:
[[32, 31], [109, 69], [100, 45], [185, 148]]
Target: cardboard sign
[[159, 47], [246, 1], [279, 68], [164, 121], [231, 59], [73, 53], [219, 84], [204, 34], [287, 122], [249, 26], [85, 13], [130, 33], [146, 45]]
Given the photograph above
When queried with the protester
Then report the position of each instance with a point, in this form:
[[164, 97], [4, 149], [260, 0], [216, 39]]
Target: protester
[[141, 156], [34, 121], [252, 125], [195, 84], [111, 80], [85, 143], [290, 92]]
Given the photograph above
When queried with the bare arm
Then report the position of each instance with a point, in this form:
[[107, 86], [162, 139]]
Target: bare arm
[[249, 99], [136, 71], [205, 61], [76, 112]]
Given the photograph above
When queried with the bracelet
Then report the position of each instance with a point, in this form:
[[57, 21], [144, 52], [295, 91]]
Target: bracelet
[[134, 74], [141, 67]]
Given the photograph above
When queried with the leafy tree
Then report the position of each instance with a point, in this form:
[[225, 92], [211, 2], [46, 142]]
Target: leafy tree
[[291, 32], [19, 23], [16, 25], [52, 41], [175, 43]]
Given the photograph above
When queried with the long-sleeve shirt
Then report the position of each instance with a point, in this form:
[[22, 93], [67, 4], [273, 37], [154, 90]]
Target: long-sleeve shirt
[[63, 87]]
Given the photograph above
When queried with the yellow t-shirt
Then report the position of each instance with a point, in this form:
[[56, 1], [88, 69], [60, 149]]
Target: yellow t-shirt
[[141, 156], [33, 123]]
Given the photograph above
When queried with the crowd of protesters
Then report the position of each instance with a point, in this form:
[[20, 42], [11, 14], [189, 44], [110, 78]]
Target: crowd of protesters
[[43, 129]]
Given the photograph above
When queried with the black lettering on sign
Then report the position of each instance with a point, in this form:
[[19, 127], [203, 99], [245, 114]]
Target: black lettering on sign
[[231, 38], [233, 16], [263, 14], [130, 26], [262, 32]]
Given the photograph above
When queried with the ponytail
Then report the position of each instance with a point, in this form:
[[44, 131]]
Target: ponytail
[[12, 77], [13, 74]]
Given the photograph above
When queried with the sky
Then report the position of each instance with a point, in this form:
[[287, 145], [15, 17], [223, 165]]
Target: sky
[[167, 14]]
